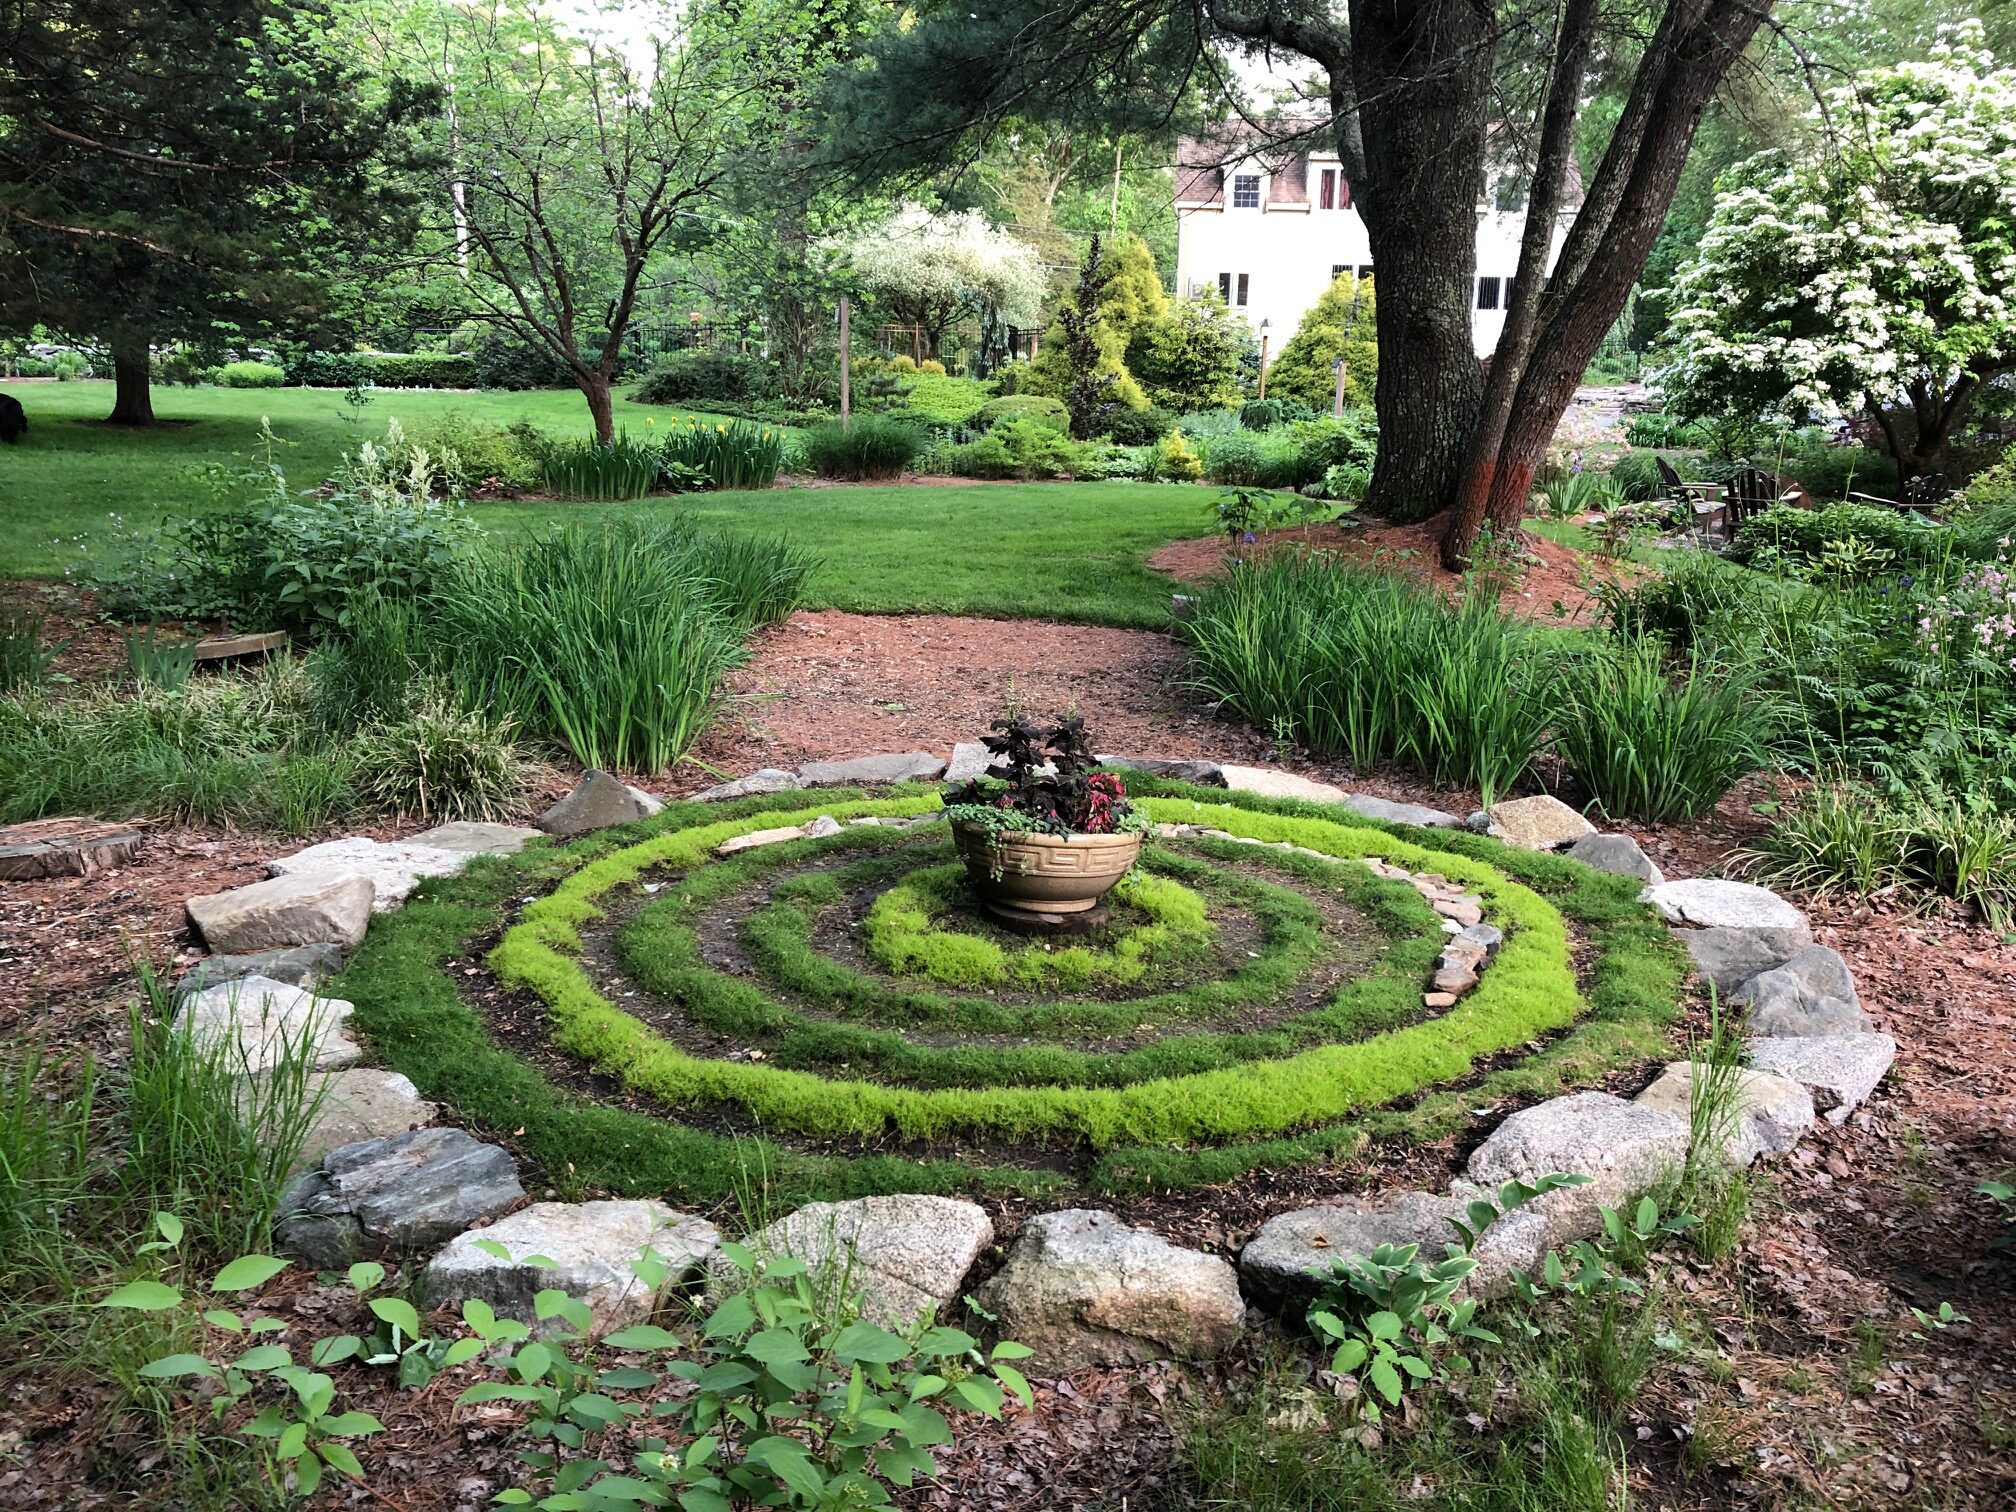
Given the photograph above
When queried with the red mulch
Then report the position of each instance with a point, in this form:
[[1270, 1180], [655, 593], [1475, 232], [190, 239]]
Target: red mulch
[[1557, 583]]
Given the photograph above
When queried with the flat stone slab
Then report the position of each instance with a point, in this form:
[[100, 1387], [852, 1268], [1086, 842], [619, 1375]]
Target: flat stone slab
[[395, 867], [970, 760], [1840, 1070], [1400, 813], [1623, 1148], [756, 839], [903, 1254], [1270, 782], [1619, 854], [1768, 1116], [594, 1247], [1284, 1266], [1730, 957], [476, 839], [395, 1195], [1714, 903], [1542, 823], [766, 780], [224, 647], [297, 965], [1196, 773], [362, 1103], [65, 848], [321, 908], [1082, 1288], [260, 1022], [1812, 993], [906, 766], [599, 801]]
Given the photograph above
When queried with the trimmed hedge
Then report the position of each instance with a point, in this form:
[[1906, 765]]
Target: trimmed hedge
[[443, 370]]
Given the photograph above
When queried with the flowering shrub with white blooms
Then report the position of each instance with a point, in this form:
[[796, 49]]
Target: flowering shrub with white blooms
[[932, 266], [1879, 271]]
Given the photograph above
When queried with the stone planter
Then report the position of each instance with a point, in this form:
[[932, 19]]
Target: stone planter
[[1044, 874]]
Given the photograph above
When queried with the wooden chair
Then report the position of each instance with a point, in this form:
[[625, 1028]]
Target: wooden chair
[[1750, 492], [1693, 503], [1925, 495]]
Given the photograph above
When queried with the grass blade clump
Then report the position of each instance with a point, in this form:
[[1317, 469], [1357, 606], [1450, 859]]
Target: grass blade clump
[[603, 471], [872, 446], [718, 455]]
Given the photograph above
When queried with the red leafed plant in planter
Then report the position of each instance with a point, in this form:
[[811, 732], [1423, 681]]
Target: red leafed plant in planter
[[1048, 836]]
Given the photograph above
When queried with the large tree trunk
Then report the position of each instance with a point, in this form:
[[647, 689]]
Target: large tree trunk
[[1422, 74], [594, 388], [132, 394]]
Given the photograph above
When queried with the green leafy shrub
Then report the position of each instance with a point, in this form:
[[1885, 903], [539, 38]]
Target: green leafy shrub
[[1174, 460], [873, 446], [1020, 446], [943, 400], [1190, 356], [1347, 440], [1265, 414], [1050, 411], [249, 375], [1804, 537], [1646, 745], [436, 370], [1660, 431], [1143, 427], [691, 377], [501, 359], [1578, 493], [717, 455], [1254, 460], [1343, 323], [1635, 474]]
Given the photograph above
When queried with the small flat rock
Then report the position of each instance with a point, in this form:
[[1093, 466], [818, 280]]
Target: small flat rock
[[362, 1103], [821, 827], [1477, 821], [1465, 913], [1490, 936], [1617, 853], [1456, 979], [1196, 773], [757, 838], [262, 1022], [225, 647], [65, 848], [1840, 1070], [1389, 812], [476, 839], [1271, 782], [599, 801], [1730, 957], [1542, 823], [1714, 903], [396, 1195], [395, 867], [297, 965], [907, 1253], [1284, 1265], [322, 908], [1769, 1114], [970, 760], [593, 1246], [1625, 1149], [764, 780], [1812, 993], [905, 766], [1082, 1288], [1438, 1000]]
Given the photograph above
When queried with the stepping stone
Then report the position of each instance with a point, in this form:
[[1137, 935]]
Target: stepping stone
[[735, 844], [1840, 1070], [261, 1021], [1625, 1149], [1284, 1266], [394, 867], [65, 848], [476, 839], [1082, 1288], [903, 1254], [1540, 823], [1465, 913], [821, 827], [1270, 782], [395, 1195], [1713, 903], [869, 771], [322, 908], [766, 780], [225, 647], [1490, 936], [1196, 773], [1617, 853], [1730, 957], [298, 966], [1390, 812], [1770, 1114], [362, 1103], [971, 759], [599, 801], [1812, 993], [594, 1247]]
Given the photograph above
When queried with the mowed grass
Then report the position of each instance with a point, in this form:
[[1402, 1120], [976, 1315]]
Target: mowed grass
[[1069, 551]]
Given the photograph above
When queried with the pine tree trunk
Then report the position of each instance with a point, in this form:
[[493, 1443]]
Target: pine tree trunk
[[132, 393], [595, 389], [1423, 82]]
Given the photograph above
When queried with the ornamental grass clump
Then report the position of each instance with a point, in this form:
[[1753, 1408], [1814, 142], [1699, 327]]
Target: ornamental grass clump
[[714, 454]]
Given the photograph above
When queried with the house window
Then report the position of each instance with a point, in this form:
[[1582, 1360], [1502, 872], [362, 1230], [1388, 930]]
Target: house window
[[1245, 191], [1508, 293], [1333, 191], [1241, 300], [1225, 287], [1487, 293], [1364, 270]]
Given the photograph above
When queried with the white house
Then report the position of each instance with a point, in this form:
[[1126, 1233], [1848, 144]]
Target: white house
[[1270, 230]]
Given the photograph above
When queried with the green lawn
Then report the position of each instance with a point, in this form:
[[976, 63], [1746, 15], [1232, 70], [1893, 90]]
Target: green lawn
[[1066, 550]]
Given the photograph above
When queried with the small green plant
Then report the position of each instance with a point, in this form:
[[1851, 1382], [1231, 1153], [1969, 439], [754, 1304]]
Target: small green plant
[[2004, 1194], [24, 659], [1939, 1319], [1242, 513], [165, 661], [603, 471], [292, 1421]]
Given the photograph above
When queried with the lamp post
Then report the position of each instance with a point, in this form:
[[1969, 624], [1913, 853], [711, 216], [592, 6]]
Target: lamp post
[[1263, 357], [1338, 365], [846, 361]]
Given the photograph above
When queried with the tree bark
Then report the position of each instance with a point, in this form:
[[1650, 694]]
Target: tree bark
[[601, 406], [1422, 75], [132, 393]]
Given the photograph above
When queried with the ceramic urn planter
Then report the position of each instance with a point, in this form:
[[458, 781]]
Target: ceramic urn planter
[[1047, 875]]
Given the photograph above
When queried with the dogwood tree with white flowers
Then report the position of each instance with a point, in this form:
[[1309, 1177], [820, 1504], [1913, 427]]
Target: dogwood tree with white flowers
[[1877, 273], [930, 268]]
